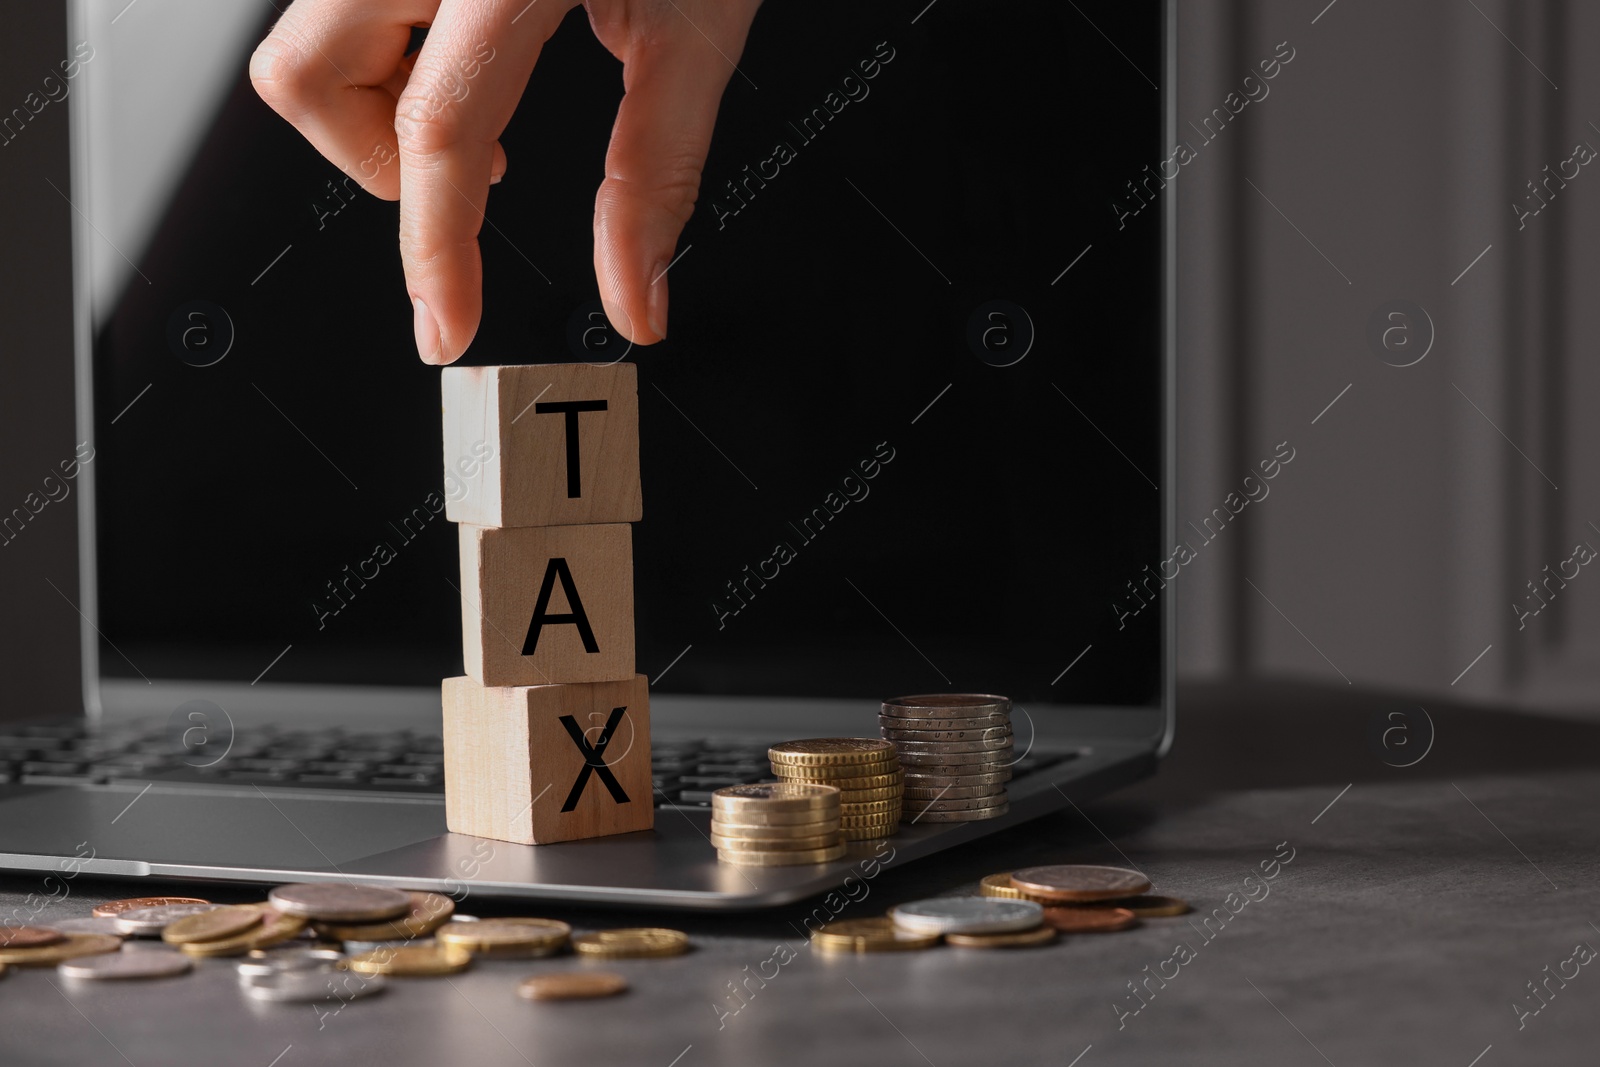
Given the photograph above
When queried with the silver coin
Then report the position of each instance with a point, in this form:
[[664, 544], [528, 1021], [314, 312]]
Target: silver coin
[[340, 902], [952, 792], [149, 922], [947, 706], [264, 961], [972, 815], [947, 748], [155, 963], [933, 779], [954, 803], [356, 948], [967, 915], [983, 733], [91, 925], [977, 722], [311, 986], [956, 762]]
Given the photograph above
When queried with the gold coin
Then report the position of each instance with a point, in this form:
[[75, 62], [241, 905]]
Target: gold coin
[[783, 859], [869, 807], [771, 844], [275, 928], [870, 833], [999, 885], [516, 938], [1071, 920], [775, 797], [869, 935], [635, 943], [772, 833], [859, 822], [210, 925], [886, 780], [1039, 935], [572, 985], [69, 947], [429, 911], [112, 908], [831, 751], [29, 936], [751, 817], [847, 797], [1078, 882], [832, 773], [412, 961], [1148, 907]]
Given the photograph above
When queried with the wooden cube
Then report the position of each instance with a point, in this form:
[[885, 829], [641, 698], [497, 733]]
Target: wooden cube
[[541, 445], [543, 763], [542, 605]]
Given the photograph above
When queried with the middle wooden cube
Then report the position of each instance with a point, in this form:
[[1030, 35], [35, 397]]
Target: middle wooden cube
[[542, 605]]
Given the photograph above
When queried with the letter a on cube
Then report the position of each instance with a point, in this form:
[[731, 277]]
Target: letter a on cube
[[542, 605], [541, 445], [544, 763]]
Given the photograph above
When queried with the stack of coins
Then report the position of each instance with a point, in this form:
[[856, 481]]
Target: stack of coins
[[957, 752], [865, 770], [776, 824]]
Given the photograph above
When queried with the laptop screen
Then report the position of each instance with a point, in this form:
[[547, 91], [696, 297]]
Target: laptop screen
[[905, 434]]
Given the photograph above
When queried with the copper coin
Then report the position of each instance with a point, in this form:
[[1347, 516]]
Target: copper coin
[[1076, 882], [1149, 907], [1039, 935], [29, 936], [572, 985], [947, 705], [112, 908], [1089, 920]]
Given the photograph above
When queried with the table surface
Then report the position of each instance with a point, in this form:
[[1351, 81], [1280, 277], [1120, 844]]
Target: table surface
[[1418, 905]]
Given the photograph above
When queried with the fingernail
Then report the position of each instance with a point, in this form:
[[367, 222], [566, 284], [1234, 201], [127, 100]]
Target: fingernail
[[427, 331], [495, 179], [655, 300]]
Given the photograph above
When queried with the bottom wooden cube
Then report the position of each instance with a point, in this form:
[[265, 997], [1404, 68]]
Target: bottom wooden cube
[[542, 763]]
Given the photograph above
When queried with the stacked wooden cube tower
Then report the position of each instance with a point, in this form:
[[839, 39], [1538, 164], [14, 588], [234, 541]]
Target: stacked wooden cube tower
[[547, 738]]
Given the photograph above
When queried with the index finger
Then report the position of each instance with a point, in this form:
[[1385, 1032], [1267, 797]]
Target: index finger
[[468, 77]]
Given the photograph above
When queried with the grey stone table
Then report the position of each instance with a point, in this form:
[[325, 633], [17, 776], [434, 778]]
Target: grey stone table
[[1440, 913]]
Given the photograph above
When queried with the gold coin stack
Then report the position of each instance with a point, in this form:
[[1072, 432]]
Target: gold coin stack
[[957, 750], [776, 824], [865, 770]]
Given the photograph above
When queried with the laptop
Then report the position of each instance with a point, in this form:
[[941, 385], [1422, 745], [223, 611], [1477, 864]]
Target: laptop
[[959, 279]]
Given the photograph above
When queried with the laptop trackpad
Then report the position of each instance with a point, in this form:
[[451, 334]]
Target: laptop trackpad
[[245, 828]]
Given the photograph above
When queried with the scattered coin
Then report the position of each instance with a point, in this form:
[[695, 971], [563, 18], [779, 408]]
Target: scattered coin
[[275, 928], [70, 947], [97, 925], [774, 797], [112, 908], [999, 885], [1039, 935], [162, 963], [1148, 907], [307, 986], [967, 915], [150, 921], [262, 961], [831, 751], [958, 816], [413, 961], [870, 935], [29, 936], [1074, 882], [947, 705], [340, 902], [635, 943], [572, 985], [1070, 920], [507, 938], [225, 921], [429, 911]]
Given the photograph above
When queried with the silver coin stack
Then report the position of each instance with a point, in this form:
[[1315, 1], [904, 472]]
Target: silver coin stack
[[956, 751]]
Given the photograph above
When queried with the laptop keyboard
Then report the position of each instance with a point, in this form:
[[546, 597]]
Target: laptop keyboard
[[684, 773]]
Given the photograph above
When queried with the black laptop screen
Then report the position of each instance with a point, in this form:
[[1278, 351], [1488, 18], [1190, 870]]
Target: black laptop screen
[[905, 434]]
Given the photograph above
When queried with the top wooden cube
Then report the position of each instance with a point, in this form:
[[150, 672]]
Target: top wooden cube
[[541, 445]]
